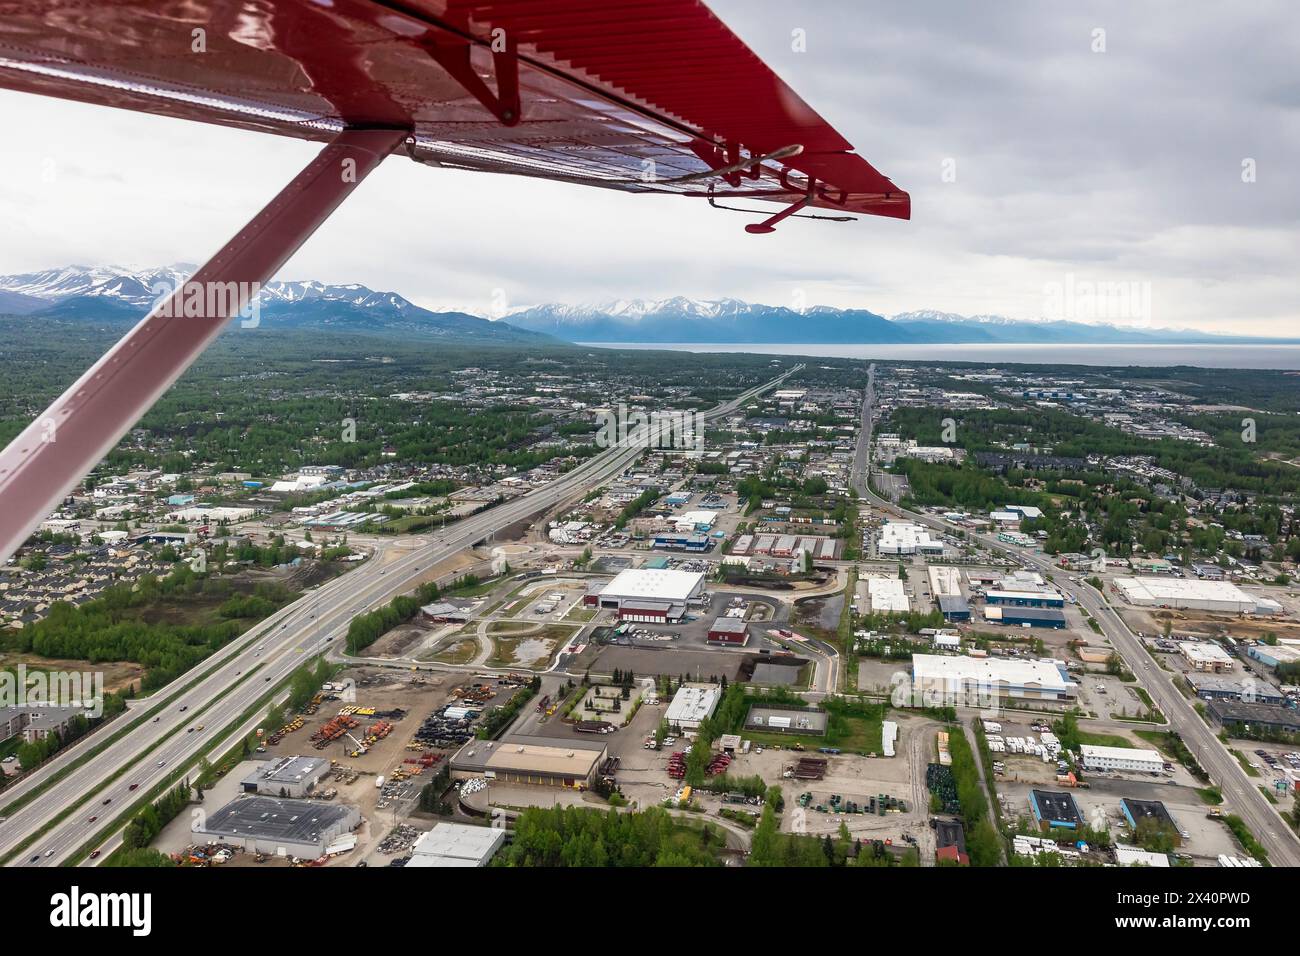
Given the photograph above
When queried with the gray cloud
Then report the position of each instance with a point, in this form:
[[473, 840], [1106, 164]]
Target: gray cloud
[[1115, 166]]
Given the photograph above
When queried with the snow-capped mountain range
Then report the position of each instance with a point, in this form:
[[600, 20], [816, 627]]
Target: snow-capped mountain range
[[108, 292], [81, 292]]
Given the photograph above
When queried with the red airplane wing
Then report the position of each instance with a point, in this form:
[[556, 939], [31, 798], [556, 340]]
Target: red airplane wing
[[624, 94]]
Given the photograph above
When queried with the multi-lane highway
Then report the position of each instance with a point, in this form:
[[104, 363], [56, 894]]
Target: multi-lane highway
[[80, 806], [1243, 796]]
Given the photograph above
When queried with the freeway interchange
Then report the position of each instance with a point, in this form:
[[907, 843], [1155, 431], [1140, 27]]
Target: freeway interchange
[[78, 800], [1264, 822]]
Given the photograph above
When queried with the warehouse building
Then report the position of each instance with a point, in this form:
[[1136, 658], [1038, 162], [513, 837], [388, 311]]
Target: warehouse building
[[276, 827], [1255, 717], [888, 595], [1251, 690], [1206, 656], [944, 580], [1025, 599], [1135, 811], [1025, 616], [1271, 655], [954, 607], [692, 704], [648, 595], [948, 680], [1133, 856], [1120, 758], [781, 721], [456, 844], [904, 537], [728, 632], [1186, 594], [539, 761], [1054, 810], [286, 777]]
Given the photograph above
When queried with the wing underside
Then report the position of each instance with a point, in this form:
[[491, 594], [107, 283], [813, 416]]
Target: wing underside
[[637, 95]]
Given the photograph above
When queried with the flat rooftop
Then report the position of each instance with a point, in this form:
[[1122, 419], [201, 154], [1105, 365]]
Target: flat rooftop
[[1054, 806], [991, 671], [1165, 589], [1120, 753], [1148, 810], [287, 770], [456, 844], [693, 704], [294, 821], [548, 755], [654, 584]]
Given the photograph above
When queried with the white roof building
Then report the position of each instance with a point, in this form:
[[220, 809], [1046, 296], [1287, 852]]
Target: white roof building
[[944, 581], [455, 844], [653, 584], [952, 679], [1121, 758], [1206, 656], [692, 704], [1186, 593], [1132, 856], [887, 594], [904, 537]]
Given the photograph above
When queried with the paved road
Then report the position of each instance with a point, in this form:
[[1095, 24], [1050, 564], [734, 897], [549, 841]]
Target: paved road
[[98, 788], [1243, 796]]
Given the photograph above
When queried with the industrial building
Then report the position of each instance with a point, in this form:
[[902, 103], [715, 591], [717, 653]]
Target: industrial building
[[954, 607], [1025, 616], [207, 514], [1251, 690], [456, 844], [944, 580], [1271, 655], [888, 595], [693, 543], [1120, 758], [786, 721], [1132, 856], [1054, 810], [276, 827], [1024, 599], [286, 777], [648, 595], [785, 545], [1255, 717], [692, 704], [728, 632], [1186, 594], [1135, 811], [1206, 656], [540, 761], [948, 679], [904, 537]]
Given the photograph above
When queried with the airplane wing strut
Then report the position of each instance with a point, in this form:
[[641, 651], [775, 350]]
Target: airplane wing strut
[[45, 462]]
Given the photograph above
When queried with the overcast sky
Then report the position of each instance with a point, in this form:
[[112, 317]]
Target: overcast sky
[[1122, 166]]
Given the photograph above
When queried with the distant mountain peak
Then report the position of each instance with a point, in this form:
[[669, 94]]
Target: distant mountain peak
[[99, 292]]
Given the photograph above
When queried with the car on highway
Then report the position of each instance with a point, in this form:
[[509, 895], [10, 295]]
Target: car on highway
[[107, 801], [199, 728], [94, 854], [92, 819], [133, 786], [161, 762], [35, 859], [184, 707]]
